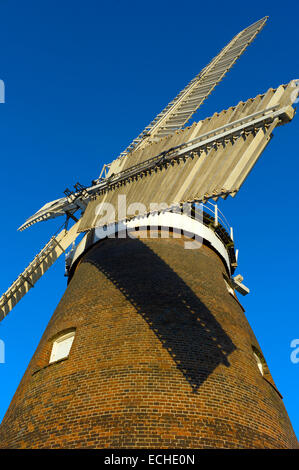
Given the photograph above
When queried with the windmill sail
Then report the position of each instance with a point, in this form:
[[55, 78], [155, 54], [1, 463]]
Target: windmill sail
[[53, 209], [210, 159], [226, 143], [176, 114], [179, 111], [36, 269]]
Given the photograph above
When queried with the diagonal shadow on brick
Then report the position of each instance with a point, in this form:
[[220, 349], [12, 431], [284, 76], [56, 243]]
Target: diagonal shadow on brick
[[185, 326]]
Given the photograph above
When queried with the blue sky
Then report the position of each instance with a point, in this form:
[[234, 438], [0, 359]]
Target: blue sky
[[82, 80]]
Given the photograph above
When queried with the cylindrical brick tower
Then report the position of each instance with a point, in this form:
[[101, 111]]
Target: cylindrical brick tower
[[162, 356]]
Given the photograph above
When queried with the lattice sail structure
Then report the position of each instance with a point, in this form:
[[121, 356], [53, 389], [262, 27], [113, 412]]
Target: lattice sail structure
[[36, 269], [210, 159], [180, 110]]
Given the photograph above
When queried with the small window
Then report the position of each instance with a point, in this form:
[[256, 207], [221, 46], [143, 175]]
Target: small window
[[259, 363], [229, 288], [62, 346]]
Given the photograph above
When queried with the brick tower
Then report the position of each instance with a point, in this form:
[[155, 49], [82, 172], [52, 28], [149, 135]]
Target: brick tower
[[162, 356]]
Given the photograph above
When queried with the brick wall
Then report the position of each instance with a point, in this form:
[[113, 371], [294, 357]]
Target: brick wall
[[162, 358]]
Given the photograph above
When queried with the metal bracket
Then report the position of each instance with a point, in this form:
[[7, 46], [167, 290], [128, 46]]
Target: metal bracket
[[236, 283]]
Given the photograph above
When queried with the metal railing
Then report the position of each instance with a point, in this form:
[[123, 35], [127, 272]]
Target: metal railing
[[218, 216]]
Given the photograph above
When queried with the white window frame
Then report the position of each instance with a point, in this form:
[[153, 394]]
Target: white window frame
[[62, 346], [229, 288], [259, 363]]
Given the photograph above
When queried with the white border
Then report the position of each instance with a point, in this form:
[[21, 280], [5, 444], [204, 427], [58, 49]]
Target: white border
[[163, 219]]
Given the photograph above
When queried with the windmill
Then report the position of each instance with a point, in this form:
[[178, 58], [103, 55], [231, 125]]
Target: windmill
[[176, 164]]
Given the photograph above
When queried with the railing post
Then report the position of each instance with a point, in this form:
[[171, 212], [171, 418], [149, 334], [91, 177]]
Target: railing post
[[216, 216]]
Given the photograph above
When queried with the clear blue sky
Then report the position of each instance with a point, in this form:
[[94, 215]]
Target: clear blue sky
[[82, 79]]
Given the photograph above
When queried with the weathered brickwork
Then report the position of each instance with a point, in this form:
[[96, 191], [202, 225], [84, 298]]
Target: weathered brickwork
[[162, 358]]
